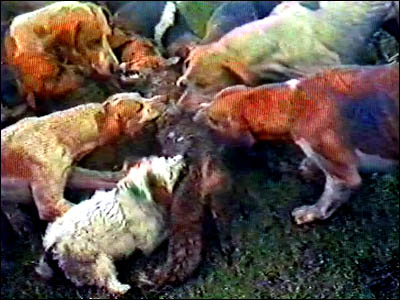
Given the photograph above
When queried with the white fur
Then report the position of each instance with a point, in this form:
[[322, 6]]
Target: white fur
[[292, 83], [111, 225], [167, 20]]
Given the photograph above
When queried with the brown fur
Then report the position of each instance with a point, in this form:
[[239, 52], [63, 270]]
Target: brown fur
[[57, 46], [205, 185], [42, 150], [310, 115], [140, 54]]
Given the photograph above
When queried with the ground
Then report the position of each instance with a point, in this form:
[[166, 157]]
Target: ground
[[354, 254]]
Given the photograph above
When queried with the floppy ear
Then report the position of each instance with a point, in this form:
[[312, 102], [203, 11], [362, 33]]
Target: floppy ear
[[240, 72]]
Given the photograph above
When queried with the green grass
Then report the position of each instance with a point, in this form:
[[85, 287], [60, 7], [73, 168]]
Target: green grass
[[354, 254]]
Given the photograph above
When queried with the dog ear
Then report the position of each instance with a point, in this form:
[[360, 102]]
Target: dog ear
[[240, 72]]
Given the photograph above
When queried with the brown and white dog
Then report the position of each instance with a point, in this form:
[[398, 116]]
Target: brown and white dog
[[39, 152], [345, 120]]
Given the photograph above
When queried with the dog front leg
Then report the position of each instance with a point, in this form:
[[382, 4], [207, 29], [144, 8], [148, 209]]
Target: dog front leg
[[335, 194], [82, 178], [48, 195], [342, 178], [15, 191]]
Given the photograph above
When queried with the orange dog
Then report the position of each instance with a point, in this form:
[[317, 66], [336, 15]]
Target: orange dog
[[40, 152], [345, 120], [55, 47]]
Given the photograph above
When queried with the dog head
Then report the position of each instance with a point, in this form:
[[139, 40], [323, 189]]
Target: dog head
[[225, 117], [151, 174], [210, 70], [70, 31], [131, 111], [92, 35]]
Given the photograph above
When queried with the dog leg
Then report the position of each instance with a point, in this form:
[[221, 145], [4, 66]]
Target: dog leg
[[48, 195], [82, 178], [105, 275], [342, 178]]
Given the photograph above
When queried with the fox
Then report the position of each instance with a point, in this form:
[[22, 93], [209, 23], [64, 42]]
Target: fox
[[39, 152], [345, 120]]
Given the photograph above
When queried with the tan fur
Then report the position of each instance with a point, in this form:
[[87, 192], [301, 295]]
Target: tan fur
[[42, 150], [140, 54], [292, 42], [54, 47], [309, 114]]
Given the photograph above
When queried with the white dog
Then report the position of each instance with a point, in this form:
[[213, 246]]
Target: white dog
[[111, 225]]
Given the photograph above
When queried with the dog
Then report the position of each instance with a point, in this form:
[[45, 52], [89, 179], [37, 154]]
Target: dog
[[346, 121], [39, 151], [140, 60], [53, 49], [291, 42], [111, 225]]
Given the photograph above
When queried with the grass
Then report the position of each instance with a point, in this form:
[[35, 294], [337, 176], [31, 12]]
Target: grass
[[354, 254]]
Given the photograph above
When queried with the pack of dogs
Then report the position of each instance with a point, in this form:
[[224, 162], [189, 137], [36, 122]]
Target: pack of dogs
[[291, 71]]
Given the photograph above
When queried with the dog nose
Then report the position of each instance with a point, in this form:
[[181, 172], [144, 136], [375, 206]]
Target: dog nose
[[182, 81]]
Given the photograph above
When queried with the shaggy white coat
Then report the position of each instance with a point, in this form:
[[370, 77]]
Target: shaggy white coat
[[111, 225]]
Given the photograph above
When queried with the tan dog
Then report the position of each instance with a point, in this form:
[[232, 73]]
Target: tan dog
[[54, 47], [41, 151], [345, 120], [292, 42]]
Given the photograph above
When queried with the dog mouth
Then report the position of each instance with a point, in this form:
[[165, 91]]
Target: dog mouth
[[131, 77]]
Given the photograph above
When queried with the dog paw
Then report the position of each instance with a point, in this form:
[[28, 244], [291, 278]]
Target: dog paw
[[119, 289], [306, 214]]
